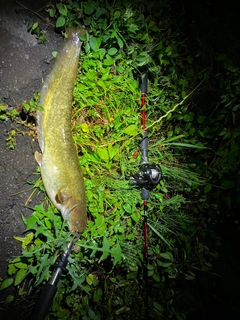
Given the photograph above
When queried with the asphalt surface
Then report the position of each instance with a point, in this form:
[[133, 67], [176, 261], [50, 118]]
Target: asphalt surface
[[24, 63]]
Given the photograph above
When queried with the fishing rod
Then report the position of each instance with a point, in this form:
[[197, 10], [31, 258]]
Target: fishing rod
[[147, 179], [49, 290]]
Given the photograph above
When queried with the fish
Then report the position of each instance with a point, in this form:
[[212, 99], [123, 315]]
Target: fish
[[60, 170]]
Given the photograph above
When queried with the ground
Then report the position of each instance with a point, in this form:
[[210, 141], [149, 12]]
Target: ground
[[24, 63]]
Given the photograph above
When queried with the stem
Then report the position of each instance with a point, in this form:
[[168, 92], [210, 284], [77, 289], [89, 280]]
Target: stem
[[35, 13]]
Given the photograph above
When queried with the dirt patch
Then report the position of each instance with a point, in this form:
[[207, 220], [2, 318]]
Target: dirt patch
[[24, 62]]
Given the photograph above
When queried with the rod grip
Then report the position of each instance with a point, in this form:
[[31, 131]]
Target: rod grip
[[144, 82], [44, 302]]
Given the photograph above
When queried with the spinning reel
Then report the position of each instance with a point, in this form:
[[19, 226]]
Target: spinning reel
[[149, 174], [148, 177]]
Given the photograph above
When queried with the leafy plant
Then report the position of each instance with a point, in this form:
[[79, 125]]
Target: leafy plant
[[6, 113], [36, 28]]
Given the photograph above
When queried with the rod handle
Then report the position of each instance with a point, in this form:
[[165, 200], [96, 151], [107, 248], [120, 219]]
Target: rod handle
[[44, 302], [144, 82]]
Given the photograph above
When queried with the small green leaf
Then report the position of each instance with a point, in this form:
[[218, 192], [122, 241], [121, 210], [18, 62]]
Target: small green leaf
[[62, 9], [45, 232], [21, 265], [207, 188], [237, 107], [133, 28], [35, 25], [100, 11], [117, 14], [6, 283], [91, 75], [236, 82], [183, 94], [189, 275], [89, 7], [84, 127], [9, 299], [120, 42], [165, 264], [189, 117], [106, 244], [112, 51], [167, 256], [132, 275], [48, 223], [21, 274], [108, 62], [201, 119], [93, 44], [97, 295], [156, 277], [180, 316], [99, 220], [112, 151], [60, 22], [89, 279], [102, 53], [42, 38], [117, 254], [87, 47], [131, 130], [135, 217], [101, 83], [91, 314], [54, 54], [87, 21], [32, 222], [158, 306], [11, 269], [103, 154], [26, 240], [127, 207], [169, 50], [51, 12]]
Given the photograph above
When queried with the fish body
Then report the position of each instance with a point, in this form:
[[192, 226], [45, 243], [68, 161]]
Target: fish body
[[61, 174]]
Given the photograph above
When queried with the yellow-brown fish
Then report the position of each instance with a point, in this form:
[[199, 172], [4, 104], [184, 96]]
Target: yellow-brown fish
[[61, 174]]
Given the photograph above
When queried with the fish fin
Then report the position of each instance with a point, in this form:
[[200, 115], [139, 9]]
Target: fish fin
[[61, 196], [40, 130], [38, 157]]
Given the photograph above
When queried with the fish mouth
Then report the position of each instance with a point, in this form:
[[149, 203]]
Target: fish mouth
[[75, 218]]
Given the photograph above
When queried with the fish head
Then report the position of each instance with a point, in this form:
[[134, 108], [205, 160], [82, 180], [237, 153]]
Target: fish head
[[73, 210]]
